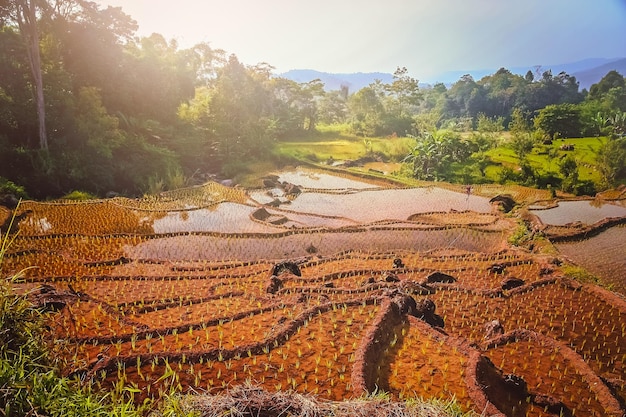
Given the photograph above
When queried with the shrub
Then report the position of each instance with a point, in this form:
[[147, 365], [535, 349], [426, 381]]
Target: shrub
[[9, 187], [79, 196]]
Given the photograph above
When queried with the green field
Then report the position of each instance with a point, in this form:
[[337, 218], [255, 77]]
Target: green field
[[335, 143], [540, 159]]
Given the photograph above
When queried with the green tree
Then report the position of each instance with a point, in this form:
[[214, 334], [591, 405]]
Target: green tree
[[25, 14], [404, 90], [465, 98], [434, 152], [367, 111], [563, 120], [522, 141], [333, 106], [569, 170], [611, 161], [612, 81]]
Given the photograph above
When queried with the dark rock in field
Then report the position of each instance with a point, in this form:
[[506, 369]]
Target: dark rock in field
[[389, 277], [274, 203], [291, 189], [425, 310], [497, 269], [270, 182], [265, 216], [111, 194], [505, 201], [556, 261], [261, 214], [274, 284], [510, 283], [413, 287], [311, 249], [493, 328], [397, 263], [329, 285], [425, 307], [406, 304], [49, 298], [545, 271], [286, 266], [9, 201], [370, 280], [440, 277]]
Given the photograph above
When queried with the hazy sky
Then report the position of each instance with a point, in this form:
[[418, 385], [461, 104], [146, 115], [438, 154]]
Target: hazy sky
[[426, 36]]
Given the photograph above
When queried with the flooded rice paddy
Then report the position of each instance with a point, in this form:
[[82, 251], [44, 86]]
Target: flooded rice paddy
[[584, 211]]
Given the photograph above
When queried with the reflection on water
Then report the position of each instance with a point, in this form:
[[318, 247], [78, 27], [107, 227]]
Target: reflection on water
[[223, 218], [372, 205], [220, 248], [319, 180], [584, 211], [602, 255]]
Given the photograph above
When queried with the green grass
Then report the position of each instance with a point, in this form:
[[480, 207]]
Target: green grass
[[583, 153], [336, 142], [323, 150]]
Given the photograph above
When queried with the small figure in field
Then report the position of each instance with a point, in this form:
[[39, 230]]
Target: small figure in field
[[468, 191]]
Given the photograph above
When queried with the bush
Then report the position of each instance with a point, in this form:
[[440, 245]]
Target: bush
[[79, 196], [9, 187], [587, 187]]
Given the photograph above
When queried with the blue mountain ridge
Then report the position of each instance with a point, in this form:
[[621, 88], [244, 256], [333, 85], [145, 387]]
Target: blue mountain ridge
[[587, 72]]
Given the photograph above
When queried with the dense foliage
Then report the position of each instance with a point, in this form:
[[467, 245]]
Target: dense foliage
[[86, 104]]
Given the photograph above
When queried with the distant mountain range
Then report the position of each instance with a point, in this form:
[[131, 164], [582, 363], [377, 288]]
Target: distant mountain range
[[587, 73]]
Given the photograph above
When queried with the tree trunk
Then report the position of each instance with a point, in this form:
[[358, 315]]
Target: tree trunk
[[27, 21]]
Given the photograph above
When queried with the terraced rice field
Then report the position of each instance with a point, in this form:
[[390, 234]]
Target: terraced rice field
[[338, 288]]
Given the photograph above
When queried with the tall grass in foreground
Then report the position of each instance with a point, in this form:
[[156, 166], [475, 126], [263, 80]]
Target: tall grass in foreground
[[30, 384]]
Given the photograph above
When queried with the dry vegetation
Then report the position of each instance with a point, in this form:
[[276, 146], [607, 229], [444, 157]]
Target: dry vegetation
[[435, 305]]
